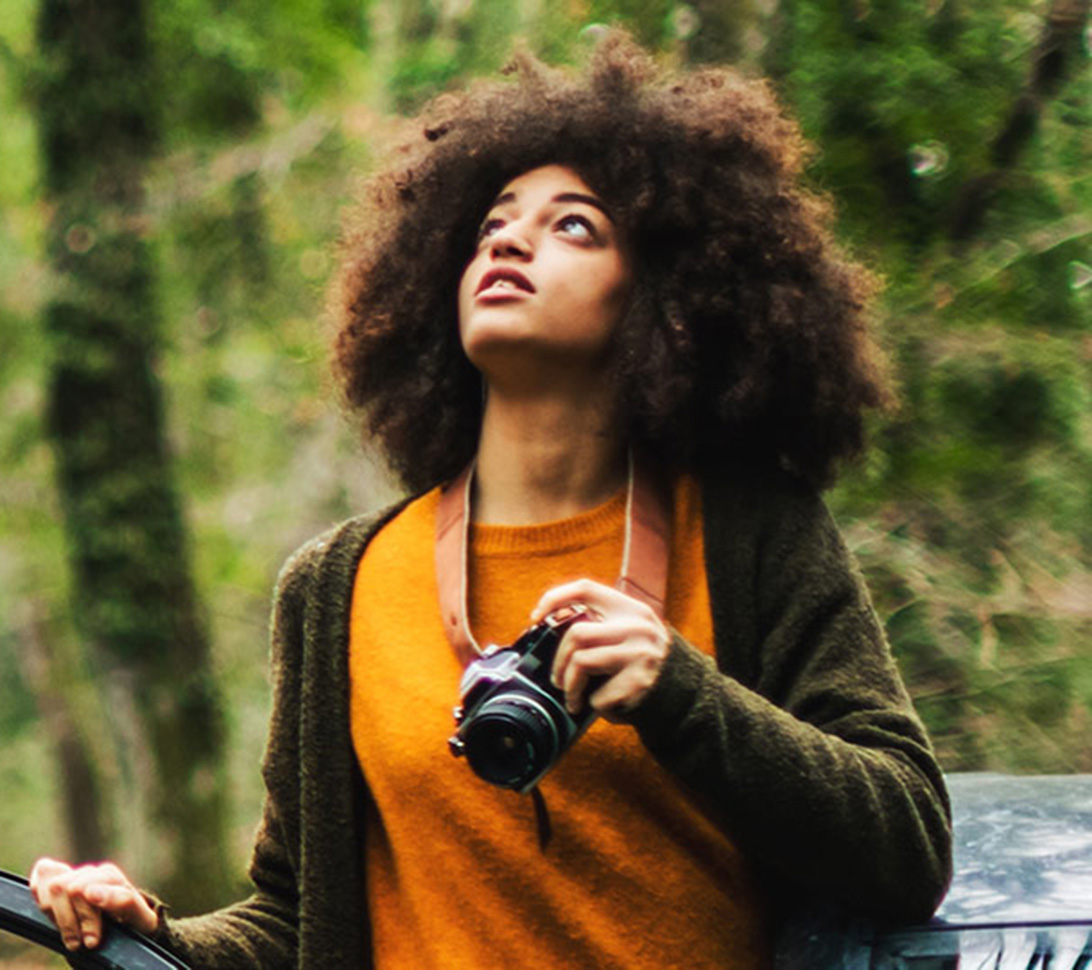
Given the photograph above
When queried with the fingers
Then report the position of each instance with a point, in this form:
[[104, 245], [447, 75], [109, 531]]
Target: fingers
[[88, 919], [63, 913], [624, 647], [126, 905], [625, 690], [47, 887], [599, 597], [619, 676], [106, 889], [75, 898], [577, 659], [591, 665]]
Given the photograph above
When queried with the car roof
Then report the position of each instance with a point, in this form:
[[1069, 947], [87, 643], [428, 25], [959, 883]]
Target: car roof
[[1023, 849]]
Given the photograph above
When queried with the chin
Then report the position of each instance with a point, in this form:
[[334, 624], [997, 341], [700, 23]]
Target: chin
[[485, 346], [531, 368]]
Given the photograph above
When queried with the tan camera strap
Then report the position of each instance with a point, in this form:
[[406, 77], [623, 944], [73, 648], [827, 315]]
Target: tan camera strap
[[643, 574]]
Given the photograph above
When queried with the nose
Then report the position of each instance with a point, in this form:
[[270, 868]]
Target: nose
[[511, 242]]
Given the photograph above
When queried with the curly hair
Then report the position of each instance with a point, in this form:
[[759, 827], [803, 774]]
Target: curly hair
[[747, 333]]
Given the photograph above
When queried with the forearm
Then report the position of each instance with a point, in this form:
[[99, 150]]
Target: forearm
[[854, 808], [252, 934]]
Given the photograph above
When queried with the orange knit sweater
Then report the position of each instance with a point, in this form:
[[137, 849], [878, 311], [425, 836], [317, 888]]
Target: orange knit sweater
[[635, 875]]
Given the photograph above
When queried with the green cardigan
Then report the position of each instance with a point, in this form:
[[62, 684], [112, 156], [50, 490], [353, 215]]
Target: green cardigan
[[803, 744]]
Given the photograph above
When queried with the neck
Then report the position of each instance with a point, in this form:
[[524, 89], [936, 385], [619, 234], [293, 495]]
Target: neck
[[541, 460]]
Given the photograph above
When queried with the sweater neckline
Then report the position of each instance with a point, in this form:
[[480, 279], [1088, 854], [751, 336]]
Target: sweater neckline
[[604, 522]]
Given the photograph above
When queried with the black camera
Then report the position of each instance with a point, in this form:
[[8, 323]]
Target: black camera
[[512, 723]]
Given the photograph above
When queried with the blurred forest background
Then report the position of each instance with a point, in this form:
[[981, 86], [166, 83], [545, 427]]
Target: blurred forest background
[[171, 178]]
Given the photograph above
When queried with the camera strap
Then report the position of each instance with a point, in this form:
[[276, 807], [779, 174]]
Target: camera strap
[[643, 572]]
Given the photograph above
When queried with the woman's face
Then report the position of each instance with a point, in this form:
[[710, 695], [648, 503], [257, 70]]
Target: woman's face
[[548, 282]]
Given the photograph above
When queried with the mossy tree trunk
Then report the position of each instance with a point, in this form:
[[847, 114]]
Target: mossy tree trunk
[[135, 601], [83, 774]]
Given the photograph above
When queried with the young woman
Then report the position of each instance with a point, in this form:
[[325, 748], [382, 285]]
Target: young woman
[[607, 341]]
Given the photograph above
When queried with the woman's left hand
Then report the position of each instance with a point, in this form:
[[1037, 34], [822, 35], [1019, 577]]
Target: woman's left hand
[[625, 645]]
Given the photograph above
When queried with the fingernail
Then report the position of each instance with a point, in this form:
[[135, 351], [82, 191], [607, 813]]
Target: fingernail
[[72, 942], [90, 939]]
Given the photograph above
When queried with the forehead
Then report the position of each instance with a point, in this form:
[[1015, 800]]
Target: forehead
[[544, 183]]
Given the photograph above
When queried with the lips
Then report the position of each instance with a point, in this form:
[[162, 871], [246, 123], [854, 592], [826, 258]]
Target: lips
[[502, 279]]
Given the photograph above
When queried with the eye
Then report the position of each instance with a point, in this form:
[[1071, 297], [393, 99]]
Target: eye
[[576, 226], [488, 227]]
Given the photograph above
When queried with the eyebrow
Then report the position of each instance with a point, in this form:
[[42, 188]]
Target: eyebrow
[[591, 200]]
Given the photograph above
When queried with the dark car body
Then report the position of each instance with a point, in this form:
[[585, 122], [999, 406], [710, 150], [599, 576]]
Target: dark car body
[[1021, 898]]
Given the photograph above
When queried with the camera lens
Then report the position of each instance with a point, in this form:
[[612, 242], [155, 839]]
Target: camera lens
[[510, 741]]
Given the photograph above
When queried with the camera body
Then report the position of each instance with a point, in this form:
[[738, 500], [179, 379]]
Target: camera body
[[512, 724]]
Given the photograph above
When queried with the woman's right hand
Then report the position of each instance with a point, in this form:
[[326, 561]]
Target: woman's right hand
[[76, 898]]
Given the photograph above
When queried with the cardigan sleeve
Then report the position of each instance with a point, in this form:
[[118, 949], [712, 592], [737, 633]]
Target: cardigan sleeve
[[258, 932], [801, 738], [262, 930]]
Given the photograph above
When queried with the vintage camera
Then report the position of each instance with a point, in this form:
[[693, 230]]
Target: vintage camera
[[512, 723]]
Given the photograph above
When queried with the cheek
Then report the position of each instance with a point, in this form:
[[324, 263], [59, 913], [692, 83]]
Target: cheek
[[465, 295], [616, 296]]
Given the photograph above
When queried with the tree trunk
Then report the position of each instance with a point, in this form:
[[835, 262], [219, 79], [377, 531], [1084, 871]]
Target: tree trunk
[[1058, 55], [135, 602], [83, 781], [384, 22]]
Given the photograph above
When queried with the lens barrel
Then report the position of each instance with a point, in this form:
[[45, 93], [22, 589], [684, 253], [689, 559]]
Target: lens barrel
[[510, 740]]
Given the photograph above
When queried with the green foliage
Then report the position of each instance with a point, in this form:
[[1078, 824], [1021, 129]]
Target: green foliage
[[984, 473], [649, 20], [224, 60]]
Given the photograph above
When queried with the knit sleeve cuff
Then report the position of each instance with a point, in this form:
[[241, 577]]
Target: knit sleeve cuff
[[163, 935], [675, 692]]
